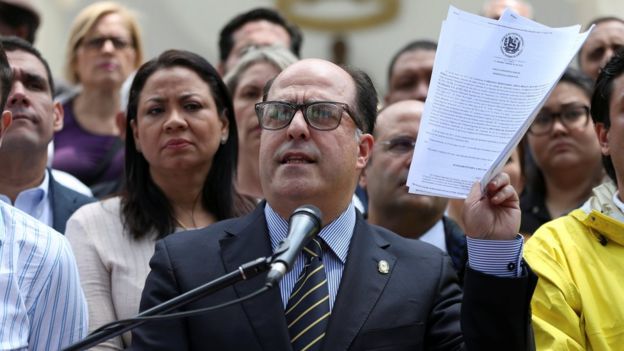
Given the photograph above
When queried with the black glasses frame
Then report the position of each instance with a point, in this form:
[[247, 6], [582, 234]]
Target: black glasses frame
[[555, 116], [390, 145], [303, 108]]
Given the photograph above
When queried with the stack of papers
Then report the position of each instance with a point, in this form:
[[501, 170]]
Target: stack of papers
[[490, 78]]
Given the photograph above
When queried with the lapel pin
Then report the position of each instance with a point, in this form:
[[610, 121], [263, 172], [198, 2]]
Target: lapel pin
[[383, 267]]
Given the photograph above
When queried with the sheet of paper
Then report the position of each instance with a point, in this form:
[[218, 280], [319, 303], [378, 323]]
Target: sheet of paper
[[489, 80]]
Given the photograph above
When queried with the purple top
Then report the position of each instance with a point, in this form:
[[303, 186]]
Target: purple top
[[80, 152]]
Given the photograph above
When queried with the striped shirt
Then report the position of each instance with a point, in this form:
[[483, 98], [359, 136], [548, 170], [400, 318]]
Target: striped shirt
[[337, 235], [500, 258], [42, 306]]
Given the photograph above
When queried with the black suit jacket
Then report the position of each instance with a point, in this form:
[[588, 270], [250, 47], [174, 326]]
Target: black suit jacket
[[456, 246], [416, 306], [64, 203]]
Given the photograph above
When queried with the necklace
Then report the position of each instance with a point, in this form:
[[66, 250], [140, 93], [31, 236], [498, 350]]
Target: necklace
[[178, 222], [175, 218]]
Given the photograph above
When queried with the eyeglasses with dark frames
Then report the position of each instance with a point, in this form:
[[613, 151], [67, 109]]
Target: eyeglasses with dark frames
[[320, 115], [98, 42], [399, 145], [572, 117]]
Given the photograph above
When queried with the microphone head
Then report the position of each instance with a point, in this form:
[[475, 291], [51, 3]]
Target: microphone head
[[311, 211]]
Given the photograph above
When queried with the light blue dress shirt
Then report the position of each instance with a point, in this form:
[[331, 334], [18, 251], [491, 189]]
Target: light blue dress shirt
[[42, 306], [34, 201]]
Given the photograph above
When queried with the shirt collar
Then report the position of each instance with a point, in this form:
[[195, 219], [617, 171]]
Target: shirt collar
[[31, 201], [617, 201], [337, 234]]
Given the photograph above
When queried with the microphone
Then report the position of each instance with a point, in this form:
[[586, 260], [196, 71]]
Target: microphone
[[304, 223]]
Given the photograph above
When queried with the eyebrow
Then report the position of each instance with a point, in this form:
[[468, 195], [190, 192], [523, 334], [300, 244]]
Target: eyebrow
[[36, 78], [160, 98], [569, 104]]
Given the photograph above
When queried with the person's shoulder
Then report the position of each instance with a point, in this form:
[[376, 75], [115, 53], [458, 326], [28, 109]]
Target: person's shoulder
[[215, 232], [406, 247], [557, 232], [30, 235], [70, 182], [77, 197], [99, 211], [558, 241]]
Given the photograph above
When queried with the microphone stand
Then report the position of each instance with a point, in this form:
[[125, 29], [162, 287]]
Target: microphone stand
[[244, 272]]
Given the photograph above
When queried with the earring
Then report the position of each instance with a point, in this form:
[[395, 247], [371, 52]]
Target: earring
[[224, 139]]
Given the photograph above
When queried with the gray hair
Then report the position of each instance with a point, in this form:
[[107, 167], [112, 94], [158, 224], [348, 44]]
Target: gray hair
[[278, 56]]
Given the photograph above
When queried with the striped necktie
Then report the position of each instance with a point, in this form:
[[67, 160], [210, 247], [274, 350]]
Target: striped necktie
[[307, 311]]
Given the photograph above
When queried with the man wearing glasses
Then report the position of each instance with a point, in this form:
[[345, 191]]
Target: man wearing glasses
[[385, 178], [375, 290]]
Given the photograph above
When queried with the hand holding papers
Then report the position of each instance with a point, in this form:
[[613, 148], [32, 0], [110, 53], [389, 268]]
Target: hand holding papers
[[489, 80]]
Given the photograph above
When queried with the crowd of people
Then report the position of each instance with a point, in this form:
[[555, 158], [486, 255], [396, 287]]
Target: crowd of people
[[134, 181]]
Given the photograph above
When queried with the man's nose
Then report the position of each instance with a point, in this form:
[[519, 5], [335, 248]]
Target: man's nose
[[421, 90], [17, 95], [298, 127]]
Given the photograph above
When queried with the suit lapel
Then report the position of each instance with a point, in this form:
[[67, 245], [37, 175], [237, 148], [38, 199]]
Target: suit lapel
[[265, 312], [61, 205], [361, 286]]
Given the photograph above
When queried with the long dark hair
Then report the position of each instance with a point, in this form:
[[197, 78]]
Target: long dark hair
[[144, 205]]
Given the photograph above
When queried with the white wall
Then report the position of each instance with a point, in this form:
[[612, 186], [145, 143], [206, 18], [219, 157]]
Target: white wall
[[194, 25]]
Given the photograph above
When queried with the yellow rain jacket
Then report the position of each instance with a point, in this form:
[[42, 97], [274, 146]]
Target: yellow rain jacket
[[579, 300]]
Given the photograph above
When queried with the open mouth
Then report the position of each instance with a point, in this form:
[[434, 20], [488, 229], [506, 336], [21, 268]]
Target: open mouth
[[296, 159]]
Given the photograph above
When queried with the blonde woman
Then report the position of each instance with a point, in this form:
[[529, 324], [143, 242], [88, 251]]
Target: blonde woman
[[104, 48]]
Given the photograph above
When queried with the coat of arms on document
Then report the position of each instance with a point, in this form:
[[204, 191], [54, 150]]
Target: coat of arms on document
[[512, 44]]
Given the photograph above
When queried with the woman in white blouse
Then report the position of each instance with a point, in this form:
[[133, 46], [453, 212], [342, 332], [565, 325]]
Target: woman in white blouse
[[181, 149]]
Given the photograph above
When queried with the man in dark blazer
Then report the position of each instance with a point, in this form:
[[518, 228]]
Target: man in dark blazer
[[385, 292], [65, 202], [390, 205], [26, 183]]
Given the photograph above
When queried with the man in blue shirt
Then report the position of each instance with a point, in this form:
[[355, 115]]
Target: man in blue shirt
[[42, 306]]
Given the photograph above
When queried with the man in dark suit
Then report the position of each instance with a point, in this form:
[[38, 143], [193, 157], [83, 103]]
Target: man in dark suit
[[390, 205], [26, 183], [376, 289]]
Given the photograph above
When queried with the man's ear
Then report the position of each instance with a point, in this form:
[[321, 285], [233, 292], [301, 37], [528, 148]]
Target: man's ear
[[603, 138], [365, 149], [59, 114]]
